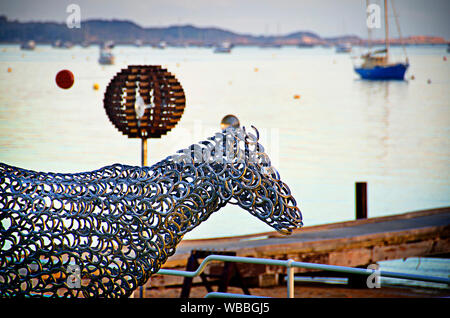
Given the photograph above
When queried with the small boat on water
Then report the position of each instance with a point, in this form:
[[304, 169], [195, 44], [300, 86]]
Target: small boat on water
[[29, 45], [377, 65], [224, 47], [106, 57], [343, 48], [162, 45], [138, 43]]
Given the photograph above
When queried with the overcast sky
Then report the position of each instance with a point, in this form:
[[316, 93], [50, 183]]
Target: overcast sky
[[258, 17]]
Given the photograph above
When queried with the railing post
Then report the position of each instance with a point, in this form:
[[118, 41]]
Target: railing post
[[361, 200], [290, 279]]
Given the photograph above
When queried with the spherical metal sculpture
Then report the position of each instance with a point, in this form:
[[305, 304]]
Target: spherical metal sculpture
[[144, 101], [229, 121]]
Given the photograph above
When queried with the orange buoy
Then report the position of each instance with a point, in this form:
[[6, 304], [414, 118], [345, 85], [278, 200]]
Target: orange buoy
[[296, 96], [256, 69], [64, 79], [96, 86], [9, 70]]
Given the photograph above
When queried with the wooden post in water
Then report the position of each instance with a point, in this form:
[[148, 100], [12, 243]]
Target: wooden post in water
[[361, 200]]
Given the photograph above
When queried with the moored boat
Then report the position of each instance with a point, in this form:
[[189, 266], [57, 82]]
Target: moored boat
[[377, 65], [29, 45], [343, 48], [106, 57], [224, 47], [377, 68]]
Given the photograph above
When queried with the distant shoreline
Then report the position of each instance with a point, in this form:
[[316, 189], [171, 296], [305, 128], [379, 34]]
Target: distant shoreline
[[127, 32]]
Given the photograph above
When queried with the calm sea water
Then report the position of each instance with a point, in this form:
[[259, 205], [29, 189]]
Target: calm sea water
[[393, 135]]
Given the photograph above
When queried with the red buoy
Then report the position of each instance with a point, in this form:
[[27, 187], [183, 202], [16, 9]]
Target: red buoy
[[64, 79]]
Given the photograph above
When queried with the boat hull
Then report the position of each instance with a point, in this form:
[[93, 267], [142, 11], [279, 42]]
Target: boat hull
[[394, 71], [106, 61]]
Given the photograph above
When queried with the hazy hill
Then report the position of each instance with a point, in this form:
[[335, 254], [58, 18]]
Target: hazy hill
[[127, 32], [95, 31]]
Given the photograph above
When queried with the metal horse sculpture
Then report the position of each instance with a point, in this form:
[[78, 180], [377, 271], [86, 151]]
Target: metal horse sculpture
[[104, 233]]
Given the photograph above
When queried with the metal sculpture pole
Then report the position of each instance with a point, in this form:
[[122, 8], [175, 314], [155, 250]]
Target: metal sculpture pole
[[103, 233], [143, 152], [143, 164]]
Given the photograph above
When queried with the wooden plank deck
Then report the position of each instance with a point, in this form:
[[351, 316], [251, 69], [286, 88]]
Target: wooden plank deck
[[353, 243]]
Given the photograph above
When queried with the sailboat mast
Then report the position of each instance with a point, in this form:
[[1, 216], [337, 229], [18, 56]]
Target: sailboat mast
[[399, 31], [386, 28]]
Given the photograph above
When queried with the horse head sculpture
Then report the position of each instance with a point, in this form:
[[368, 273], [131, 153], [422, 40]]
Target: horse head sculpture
[[104, 233]]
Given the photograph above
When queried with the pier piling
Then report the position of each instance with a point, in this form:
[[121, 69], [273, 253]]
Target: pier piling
[[361, 200]]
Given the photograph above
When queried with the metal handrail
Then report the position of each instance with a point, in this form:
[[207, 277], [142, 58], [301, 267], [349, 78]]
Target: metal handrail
[[290, 264], [230, 295]]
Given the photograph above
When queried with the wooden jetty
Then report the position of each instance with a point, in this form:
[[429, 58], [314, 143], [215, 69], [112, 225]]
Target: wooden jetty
[[357, 243]]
